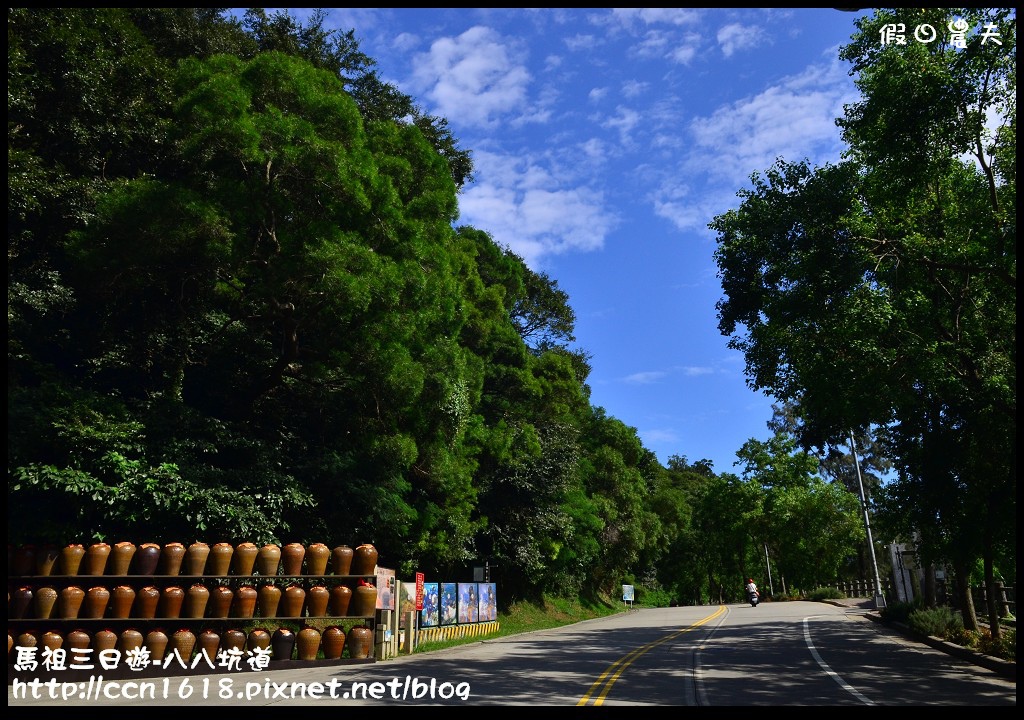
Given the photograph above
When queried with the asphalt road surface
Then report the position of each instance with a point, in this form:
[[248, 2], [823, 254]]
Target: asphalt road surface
[[777, 654]]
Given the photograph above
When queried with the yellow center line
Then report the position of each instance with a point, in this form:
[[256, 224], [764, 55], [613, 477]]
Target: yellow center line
[[609, 676]]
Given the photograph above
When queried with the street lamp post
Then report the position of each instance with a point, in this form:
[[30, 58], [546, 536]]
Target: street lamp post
[[879, 595]]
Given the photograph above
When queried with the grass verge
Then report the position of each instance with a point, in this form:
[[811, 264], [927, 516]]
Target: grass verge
[[527, 616]]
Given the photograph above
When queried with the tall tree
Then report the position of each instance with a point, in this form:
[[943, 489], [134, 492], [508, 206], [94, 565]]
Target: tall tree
[[881, 291]]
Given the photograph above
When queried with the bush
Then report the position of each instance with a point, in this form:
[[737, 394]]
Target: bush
[[938, 622], [826, 593], [649, 597], [963, 636], [900, 611], [1005, 647]]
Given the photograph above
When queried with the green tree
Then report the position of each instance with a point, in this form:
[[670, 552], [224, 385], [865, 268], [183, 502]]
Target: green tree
[[881, 291]]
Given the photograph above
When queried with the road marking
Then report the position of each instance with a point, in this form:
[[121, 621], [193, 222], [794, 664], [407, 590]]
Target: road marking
[[824, 666], [611, 675]]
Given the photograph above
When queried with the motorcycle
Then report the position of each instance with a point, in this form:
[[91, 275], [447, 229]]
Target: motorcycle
[[754, 599]]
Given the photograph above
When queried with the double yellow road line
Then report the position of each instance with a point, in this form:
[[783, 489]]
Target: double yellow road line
[[603, 685]]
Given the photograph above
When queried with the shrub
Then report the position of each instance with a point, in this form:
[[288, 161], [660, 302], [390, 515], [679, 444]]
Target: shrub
[[900, 611], [651, 597], [963, 636], [938, 622], [1005, 647], [826, 593]]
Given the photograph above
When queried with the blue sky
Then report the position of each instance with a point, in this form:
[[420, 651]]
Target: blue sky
[[604, 141]]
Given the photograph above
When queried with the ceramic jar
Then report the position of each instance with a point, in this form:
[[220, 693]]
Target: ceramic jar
[[45, 600], [184, 642], [219, 562], [130, 639], [268, 599], [341, 560], [122, 598], [317, 599], [364, 601], [245, 602], [258, 638], [233, 638], [282, 644], [28, 638], [333, 642], [52, 640], [195, 558], [268, 559], [105, 639], [121, 557], [292, 555], [171, 557], [292, 601], [196, 599], [307, 643], [317, 557], [23, 562], [221, 598], [96, 556], [156, 642], [244, 558], [209, 643], [147, 559], [21, 602], [46, 560], [77, 639], [70, 601], [171, 600], [341, 597], [364, 560], [71, 559], [96, 600], [146, 600], [360, 642]]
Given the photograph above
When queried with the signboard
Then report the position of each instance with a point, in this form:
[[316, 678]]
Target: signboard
[[627, 593], [419, 591], [385, 588]]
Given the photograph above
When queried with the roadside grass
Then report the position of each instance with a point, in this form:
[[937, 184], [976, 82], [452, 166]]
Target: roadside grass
[[528, 616]]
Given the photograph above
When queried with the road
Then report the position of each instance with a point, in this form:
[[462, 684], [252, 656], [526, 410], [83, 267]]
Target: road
[[790, 653]]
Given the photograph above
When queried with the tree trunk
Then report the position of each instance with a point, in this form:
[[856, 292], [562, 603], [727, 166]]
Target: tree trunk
[[930, 599], [991, 596], [962, 594]]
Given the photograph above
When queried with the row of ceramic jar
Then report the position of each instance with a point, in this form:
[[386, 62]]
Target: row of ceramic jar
[[284, 644], [197, 601], [199, 558]]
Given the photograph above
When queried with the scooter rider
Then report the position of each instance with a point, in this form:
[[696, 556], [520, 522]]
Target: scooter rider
[[752, 588]]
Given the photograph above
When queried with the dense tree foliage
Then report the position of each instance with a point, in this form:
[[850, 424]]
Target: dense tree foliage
[[881, 292], [239, 309]]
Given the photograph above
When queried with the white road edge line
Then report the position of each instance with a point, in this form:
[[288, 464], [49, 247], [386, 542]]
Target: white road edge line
[[828, 671]]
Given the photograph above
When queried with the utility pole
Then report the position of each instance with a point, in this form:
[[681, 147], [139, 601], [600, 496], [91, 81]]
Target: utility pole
[[879, 595], [771, 588]]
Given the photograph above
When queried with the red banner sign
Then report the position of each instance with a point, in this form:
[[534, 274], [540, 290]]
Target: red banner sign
[[419, 591]]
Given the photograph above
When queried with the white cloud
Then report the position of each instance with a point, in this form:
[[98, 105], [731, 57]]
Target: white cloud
[[659, 435], [683, 54], [474, 77], [624, 121], [404, 42], [632, 88], [535, 214], [650, 16], [597, 94], [645, 378], [735, 37], [793, 119], [581, 42]]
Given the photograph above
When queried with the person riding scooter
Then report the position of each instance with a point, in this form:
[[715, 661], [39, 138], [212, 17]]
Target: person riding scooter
[[753, 595]]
